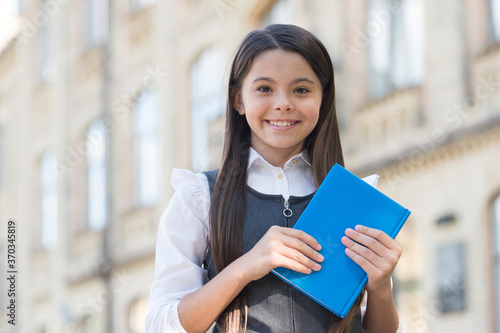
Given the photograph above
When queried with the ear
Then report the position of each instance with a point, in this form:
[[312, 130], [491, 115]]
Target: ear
[[238, 104]]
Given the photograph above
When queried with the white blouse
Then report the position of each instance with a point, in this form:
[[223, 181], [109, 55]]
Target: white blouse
[[183, 232]]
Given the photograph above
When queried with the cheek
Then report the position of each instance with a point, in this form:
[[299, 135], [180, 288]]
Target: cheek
[[255, 108], [311, 110], [256, 104]]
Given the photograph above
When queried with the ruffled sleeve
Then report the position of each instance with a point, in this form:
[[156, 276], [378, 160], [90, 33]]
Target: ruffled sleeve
[[183, 236], [372, 180]]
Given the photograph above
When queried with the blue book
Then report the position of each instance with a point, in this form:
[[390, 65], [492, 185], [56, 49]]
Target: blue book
[[342, 201]]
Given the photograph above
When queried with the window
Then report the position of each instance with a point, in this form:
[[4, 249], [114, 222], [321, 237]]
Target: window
[[496, 255], [146, 149], [137, 312], [9, 9], [96, 22], [280, 12], [495, 19], [207, 102], [49, 201], [44, 53], [44, 48], [396, 45], [97, 193], [12, 7], [11, 21], [140, 4], [451, 277]]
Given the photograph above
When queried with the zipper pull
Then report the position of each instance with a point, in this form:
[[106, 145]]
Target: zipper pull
[[287, 211]]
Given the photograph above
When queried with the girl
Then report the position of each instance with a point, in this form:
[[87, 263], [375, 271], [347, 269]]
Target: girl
[[225, 230]]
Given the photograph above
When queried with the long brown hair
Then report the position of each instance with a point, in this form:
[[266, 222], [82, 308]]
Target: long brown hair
[[227, 210]]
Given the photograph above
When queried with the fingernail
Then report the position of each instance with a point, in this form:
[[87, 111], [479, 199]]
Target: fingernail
[[359, 228], [317, 267], [347, 251], [345, 240], [349, 231], [320, 257]]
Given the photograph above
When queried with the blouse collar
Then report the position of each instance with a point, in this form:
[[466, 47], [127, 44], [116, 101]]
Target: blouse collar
[[301, 159]]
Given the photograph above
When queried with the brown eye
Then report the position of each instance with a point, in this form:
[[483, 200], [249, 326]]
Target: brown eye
[[301, 90], [264, 89]]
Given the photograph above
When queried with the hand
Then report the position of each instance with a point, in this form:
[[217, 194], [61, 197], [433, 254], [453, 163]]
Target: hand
[[376, 253], [282, 247]]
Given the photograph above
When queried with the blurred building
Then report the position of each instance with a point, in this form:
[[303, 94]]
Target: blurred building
[[100, 100]]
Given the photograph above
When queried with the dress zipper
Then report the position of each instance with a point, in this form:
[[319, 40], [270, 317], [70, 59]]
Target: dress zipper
[[287, 211]]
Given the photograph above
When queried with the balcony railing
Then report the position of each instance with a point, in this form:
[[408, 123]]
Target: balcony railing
[[384, 127]]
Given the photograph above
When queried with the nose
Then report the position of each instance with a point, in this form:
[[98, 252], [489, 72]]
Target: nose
[[283, 103]]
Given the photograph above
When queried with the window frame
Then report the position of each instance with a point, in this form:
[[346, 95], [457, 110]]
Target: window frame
[[49, 201], [146, 173], [452, 291], [44, 49], [207, 102], [96, 30], [494, 10], [97, 169], [400, 65]]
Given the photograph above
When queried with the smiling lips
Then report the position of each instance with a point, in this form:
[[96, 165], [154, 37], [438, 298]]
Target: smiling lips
[[282, 123]]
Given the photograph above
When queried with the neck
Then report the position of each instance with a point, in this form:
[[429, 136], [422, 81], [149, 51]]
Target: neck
[[278, 157]]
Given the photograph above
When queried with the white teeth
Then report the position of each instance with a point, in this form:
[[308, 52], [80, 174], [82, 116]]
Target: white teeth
[[281, 123]]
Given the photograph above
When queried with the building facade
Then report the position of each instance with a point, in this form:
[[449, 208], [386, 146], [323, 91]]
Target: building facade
[[100, 100]]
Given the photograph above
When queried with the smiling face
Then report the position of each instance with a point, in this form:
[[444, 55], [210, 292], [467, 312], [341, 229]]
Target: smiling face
[[280, 98]]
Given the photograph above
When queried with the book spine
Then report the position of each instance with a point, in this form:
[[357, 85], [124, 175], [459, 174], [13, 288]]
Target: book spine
[[355, 295], [400, 224]]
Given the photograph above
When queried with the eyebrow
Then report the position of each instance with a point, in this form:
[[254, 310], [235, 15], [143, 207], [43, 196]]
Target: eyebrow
[[300, 79]]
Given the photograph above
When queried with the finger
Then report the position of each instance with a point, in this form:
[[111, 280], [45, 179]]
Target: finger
[[375, 274], [365, 264], [306, 238], [294, 265], [302, 247], [372, 243], [291, 248], [362, 251], [379, 235], [374, 265], [300, 258]]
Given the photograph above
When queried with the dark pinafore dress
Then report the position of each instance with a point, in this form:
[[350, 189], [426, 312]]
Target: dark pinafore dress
[[273, 305]]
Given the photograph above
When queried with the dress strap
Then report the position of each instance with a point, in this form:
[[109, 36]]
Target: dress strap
[[211, 177]]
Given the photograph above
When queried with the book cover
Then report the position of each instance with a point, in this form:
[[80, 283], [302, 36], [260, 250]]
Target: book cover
[[342, 201]]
